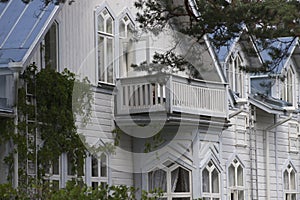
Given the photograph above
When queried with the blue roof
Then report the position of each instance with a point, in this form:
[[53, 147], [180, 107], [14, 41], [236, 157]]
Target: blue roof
[[280, 44], [21, 24], [223, 51]]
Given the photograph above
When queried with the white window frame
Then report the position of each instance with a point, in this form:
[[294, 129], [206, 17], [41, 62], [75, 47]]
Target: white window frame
[[99, 179], [169, 194], [236, 188], [106, 36], [210, 195], [288, 86], [125, 68], [235, 75], [51, 177], [289, 192]]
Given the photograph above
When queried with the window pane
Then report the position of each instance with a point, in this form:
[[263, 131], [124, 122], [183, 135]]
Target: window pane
[[100, 23], [231, 175], [293, 180], [55, 166], [157, 180], [205, 180], [101, 58], [103, 165], [110, 58], [286, 180], [240, 175], [293, 197], [240, 195], [51, 48], [180, 180], [122, 29], [109, 25], [215, 181], [94, 167], [94, 185], [71, 166]]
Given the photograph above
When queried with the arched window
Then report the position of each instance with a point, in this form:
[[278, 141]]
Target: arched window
[[105, 46], [289, 182], [126, 45], [288, 86], [173, 181], [211, 182], [235, 75], [236, 180]]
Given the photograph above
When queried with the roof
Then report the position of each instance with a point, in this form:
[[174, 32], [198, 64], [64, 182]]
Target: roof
[[223, 51], [270, 104], [283, 44], [21, 26]]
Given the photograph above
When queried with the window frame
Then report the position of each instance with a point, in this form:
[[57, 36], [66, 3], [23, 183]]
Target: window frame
[[106, 36], [169, 195], [124, 70], [289, 192], [236, 188], [236, 76], [99, 179], [43, 48], [288, 89], [211, 195], [50, 176]]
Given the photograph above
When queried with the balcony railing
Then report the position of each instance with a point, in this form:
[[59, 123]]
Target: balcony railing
[[171, 93]]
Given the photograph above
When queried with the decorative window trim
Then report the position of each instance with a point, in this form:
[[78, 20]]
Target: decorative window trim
[[235, 76], [169, 167], [106, 36], [236, 188], [288, 193], [288, 85], [210, 195]]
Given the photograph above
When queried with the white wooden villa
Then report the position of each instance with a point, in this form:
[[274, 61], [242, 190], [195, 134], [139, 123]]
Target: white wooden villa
[[229, 135]]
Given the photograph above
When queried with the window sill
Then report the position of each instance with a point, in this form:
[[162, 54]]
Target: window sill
[[104, 84]]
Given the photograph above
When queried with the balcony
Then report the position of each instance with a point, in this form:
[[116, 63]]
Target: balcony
[[171, 94]]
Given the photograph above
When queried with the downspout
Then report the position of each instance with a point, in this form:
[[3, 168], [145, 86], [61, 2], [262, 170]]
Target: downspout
[[267, 143], [16, 67]]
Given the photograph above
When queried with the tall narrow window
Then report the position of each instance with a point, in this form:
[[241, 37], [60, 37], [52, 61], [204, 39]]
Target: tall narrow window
[[211, 182], [235, 75], [174, 182], [126, 57], [289, 178], [236, 180], [105, 47], [99, 170], [50, 46], [287, 93]]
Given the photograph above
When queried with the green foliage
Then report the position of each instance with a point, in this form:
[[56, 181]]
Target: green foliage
[[48, 105], [74, 191]]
